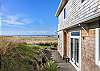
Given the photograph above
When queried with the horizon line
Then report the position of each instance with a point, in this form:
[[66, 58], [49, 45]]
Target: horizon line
[[28, 35]]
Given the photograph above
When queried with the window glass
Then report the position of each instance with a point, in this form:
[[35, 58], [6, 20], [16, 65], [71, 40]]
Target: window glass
[[75, 33], [64, 13], [58, 36], [83, 1]]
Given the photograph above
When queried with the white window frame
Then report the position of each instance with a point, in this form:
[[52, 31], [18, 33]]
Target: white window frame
[[97, 47]]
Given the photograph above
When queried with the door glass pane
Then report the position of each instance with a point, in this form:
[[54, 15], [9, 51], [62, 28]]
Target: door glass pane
[[71, 48], [99, 44], [77, 50]]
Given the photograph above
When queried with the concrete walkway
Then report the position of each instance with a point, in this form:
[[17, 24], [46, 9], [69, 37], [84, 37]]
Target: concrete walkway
[[62, 63]]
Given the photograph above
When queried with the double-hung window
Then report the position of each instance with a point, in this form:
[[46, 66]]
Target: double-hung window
[[98, 46]]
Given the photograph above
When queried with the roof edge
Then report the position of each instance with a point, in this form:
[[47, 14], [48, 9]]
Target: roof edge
[[60, 7]]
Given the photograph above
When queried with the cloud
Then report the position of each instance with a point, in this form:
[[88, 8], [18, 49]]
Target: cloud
[[25, 20], [15, 20], [11, 20]]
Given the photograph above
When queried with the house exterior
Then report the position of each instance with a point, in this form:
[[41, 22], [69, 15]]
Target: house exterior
[[79, 33]]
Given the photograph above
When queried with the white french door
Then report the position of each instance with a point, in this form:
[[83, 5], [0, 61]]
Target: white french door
[[74, 52]]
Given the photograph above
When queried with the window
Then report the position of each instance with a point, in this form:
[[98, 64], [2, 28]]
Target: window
[[75, 47], [82, 1], [98, 46], [75, 33], [64, 13], [58, 36]]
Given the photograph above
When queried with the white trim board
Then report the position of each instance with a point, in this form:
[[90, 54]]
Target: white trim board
[[77, 68], [80, 42], [97, 46]]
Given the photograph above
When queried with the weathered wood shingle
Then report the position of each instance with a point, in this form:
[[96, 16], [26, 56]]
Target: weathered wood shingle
[[78, 12]]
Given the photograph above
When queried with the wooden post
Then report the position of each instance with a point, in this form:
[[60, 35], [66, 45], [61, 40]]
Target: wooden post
[[65, 43]]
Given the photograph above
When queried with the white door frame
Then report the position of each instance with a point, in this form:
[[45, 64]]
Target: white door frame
[[77, 65]]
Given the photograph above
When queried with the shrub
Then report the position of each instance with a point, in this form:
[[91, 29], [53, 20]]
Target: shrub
[[51, 66]]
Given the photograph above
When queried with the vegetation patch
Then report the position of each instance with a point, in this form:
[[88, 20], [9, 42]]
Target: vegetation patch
[[25, 57]]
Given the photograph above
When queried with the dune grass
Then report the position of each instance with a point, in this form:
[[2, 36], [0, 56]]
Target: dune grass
[[22, 58]]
